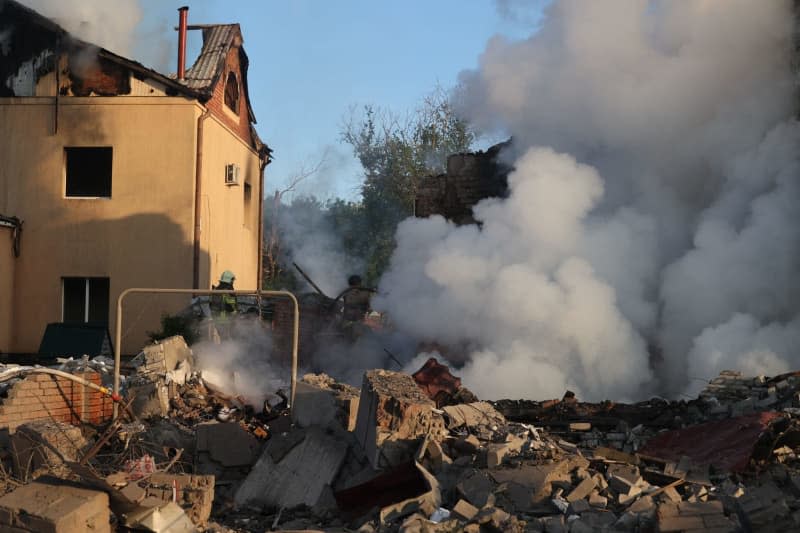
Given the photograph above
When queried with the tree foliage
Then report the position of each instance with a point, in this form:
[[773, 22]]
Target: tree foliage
[[395, 152]]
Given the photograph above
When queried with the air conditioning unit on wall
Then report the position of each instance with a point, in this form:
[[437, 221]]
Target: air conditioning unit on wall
[[232, 174]]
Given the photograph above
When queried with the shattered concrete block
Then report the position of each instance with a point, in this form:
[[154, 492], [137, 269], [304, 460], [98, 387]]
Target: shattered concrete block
[[621, 485], [764, 507], [468, 445], [464, 510], [150, 397], [164, 355], [600, 481], [54, 508], [624, 471], [493, 519], [539, 478], [554, 524], [167, 518], [476, 489], [625, 499], [393, 414], [578, 507], [599, 521], [45, 444], [704, 516], [495, 453], [225, 450], [581, 490], [479, 418], [616, 455], [323, 403], [518, 497], [642, 505], [293, 469], [671, 494], [436, 456], [194, 494], [598, 501]]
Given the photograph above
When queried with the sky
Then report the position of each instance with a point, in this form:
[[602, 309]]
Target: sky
[[313, 61]]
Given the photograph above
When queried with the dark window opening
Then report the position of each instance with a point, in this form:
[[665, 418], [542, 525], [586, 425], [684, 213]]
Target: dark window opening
[[89, 171], [85, 300], [232, 93]]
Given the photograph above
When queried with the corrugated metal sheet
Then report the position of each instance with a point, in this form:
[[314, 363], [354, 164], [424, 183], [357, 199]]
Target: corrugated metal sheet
[[726, 444], [217, 40]]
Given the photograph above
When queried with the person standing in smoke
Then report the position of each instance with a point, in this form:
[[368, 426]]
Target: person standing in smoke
[[356, 304], [223, 306], [356, 299]]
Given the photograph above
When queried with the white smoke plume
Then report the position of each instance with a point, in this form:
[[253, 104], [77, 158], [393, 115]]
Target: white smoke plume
[[111, 25], [651, 231], [307, 238], [242, 364]]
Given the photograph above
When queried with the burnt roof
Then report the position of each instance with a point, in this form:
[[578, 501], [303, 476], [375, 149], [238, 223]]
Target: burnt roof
[[208, 68], [19, 17], [199, 81]]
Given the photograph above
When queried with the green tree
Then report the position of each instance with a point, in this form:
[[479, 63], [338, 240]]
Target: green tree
[[395, 153]]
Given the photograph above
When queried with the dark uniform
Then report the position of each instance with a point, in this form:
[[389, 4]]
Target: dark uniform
[[356, 300], [223, 306]]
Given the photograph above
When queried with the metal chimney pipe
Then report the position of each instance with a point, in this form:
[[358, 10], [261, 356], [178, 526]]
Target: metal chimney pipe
[[183, 13]]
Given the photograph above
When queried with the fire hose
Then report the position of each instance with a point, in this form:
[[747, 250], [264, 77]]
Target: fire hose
[[16, 371]]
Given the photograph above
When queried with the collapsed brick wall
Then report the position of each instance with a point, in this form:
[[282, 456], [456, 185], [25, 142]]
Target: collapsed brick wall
[[47, 397], [469, 179]]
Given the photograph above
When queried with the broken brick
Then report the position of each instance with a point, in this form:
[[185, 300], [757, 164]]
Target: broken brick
[[393, 414]]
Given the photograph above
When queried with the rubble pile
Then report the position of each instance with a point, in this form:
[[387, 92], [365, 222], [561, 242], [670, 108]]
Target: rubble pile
[[402, 453]]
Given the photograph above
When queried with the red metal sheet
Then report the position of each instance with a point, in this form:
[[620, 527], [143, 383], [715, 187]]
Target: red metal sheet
[[725, 444], [434, 378]]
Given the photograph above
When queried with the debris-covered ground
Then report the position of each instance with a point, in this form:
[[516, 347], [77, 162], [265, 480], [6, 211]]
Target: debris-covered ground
[[407, 453]]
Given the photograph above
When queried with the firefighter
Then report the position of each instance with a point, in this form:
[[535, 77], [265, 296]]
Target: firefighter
[[356, 300], [223, 306]]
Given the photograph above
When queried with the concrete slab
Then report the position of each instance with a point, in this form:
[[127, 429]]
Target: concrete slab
[[54, 508], [225, 450], [299, 477], [325, 404]]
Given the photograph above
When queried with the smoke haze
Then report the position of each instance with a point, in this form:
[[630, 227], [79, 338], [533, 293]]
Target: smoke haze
[[108, 24], [650, 233]]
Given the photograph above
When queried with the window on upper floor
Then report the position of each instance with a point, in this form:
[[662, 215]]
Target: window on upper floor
[[232, 93], [85, 300], [88, 171]]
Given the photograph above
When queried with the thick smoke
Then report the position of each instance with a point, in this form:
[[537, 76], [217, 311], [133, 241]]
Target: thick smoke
[[242, 364], [650, 234], [307, 238], [111, 25]]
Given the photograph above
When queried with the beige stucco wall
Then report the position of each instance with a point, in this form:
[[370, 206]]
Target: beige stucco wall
[[141, 236], [229, 236], [6, 288]]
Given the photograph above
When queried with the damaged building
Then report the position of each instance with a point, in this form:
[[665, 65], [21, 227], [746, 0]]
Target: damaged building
[[123, 177], [468, 179]]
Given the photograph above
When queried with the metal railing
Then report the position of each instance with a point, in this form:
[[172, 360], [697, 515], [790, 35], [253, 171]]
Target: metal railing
[[204, 292]]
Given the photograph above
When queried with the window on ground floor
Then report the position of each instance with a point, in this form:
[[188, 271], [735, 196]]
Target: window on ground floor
[[88, 171], [85, 300]]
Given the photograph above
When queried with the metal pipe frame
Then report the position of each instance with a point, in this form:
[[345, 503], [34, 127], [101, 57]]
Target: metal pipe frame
[[204, 292]]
